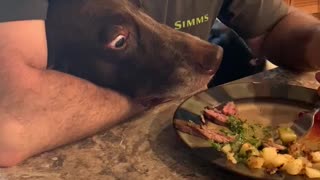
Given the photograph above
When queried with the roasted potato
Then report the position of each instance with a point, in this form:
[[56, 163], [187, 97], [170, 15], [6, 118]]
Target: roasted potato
[[287, 135], [269, 154], [226, 148], [312, 173], [248, 150], [315, 156], [294, 167], [255, 162], [279, 161], [231, 158]]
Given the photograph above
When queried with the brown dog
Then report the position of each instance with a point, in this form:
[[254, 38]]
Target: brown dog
[[114, 44]]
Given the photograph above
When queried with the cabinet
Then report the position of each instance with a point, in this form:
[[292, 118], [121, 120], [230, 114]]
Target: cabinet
[[308, 6]]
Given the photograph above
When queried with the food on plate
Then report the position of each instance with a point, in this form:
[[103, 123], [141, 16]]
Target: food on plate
[[287, 135], [315, 157], [203, 132], [312, 173], [273, 149]]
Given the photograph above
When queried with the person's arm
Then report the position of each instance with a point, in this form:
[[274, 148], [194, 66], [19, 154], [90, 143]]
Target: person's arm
[[42, 109], [294, 42], [284, 35]]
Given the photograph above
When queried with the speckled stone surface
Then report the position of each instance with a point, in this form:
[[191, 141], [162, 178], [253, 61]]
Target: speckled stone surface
[[143, 148]]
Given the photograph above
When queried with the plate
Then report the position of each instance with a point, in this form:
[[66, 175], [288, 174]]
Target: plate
[[269, 103]]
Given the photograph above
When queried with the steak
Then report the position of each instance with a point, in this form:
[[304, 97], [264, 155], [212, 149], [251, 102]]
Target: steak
[[229, 109], [202, 131], [271, 143], [215, 116], [219, 114]]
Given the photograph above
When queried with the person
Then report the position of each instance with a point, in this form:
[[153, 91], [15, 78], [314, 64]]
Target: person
[[238, 60], [41, 109]]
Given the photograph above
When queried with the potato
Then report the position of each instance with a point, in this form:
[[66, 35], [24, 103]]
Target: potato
[[231, 158], [244, 148], [255, 162], [248, 149], [288, 156], [306, 162], [312, 173], [294, 167], [269, 154], [316, 166], [287, 135], [279, 161], [226, 148], [315, 156], [230, 155]]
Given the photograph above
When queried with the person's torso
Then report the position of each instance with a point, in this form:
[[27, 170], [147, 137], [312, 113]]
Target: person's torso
[[197, 18], [192, 16]]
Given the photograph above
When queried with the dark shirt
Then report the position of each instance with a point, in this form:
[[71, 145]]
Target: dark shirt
[[248, 18]]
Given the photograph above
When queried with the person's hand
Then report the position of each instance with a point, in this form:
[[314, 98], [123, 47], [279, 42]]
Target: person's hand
[[318, 79]]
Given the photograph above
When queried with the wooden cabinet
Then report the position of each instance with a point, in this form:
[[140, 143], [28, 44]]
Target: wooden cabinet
[[308, 6], [287, 1]]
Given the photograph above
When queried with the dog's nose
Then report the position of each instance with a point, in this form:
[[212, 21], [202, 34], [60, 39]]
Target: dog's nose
[[210, 58]]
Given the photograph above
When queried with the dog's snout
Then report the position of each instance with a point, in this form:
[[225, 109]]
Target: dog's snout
[[208, 58]]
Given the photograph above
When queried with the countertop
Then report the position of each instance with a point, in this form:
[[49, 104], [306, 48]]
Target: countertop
[[145, 147]]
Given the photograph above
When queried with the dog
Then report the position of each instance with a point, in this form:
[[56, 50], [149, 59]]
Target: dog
[[115, 44]]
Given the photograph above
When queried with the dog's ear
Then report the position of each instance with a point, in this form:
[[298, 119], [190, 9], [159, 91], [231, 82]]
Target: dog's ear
[[136, 3]]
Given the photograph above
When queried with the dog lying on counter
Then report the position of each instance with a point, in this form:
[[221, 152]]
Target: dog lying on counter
[[114, 44]]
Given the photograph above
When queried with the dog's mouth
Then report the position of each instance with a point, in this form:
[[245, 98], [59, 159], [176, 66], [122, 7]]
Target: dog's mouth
[[152, 101], [197, 84]]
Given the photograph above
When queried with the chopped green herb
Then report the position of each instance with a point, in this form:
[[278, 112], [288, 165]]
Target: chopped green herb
[[236, 145], [227, 132], [252, 128], [247, 133], [255, 142], [224, 131], [235, 124], [267, 132], [217, 146], [241, 158]]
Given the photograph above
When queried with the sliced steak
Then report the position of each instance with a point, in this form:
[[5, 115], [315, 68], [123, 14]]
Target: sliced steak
[[215, 116], [202, 132], [271, 143], [219, 114], [229, 109]]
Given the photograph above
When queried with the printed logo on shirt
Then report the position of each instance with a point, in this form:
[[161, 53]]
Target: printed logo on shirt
[[181, 24]]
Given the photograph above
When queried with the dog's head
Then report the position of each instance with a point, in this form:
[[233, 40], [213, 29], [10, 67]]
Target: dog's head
[[115, 44]]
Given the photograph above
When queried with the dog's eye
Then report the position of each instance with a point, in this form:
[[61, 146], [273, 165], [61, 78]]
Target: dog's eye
[[118, 43]]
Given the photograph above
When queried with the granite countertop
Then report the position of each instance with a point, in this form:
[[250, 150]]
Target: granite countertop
[[145, 147]]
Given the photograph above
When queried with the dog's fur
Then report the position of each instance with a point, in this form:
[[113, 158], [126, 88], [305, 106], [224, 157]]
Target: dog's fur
[[157, 63]]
